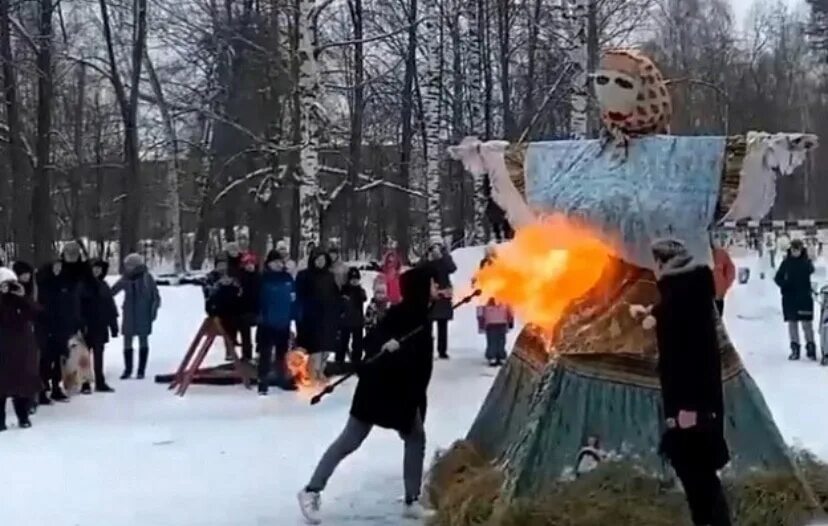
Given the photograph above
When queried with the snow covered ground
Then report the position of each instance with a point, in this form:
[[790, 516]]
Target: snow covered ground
[[223, 456]]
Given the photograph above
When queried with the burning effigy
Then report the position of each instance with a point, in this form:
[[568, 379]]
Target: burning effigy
[[580, 273]]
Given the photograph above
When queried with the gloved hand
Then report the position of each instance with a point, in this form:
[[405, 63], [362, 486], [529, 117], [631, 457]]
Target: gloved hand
[[391, 345]]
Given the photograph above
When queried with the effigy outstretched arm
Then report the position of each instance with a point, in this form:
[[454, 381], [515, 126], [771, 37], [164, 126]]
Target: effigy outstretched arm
[[481, 158]]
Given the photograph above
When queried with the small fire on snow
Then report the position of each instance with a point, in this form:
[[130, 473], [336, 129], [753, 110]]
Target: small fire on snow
[[546, 267], [298, 365]]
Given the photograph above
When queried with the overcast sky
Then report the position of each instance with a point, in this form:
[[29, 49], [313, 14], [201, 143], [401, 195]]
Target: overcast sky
[[741, 7]]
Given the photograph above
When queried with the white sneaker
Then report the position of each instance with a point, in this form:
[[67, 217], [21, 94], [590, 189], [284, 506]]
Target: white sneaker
[[416, 511], [310, 503]]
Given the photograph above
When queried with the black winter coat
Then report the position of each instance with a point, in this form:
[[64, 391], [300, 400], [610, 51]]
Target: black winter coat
[[690, 360], [319, 306], [353, 306], [100, 312], [251, 284], [60, 297], [443, 268], [794, 281], [392, 388], [222, 298]]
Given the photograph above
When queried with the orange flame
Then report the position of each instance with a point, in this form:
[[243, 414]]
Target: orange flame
[[546, 267], [298, 367]]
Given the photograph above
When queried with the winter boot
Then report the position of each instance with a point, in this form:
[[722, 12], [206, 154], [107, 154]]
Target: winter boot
[[824, 360], [43, 398], [414, 510], [143, 356], [310, 504], [58, 395], [102, 387], [810, 351], [128, 355], [794, 352], [21, 409], [86, 388]]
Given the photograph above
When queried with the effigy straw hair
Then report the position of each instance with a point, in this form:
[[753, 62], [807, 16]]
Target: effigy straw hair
[[464, 490]]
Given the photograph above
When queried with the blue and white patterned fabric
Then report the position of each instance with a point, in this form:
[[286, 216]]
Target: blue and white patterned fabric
[[667, 186]]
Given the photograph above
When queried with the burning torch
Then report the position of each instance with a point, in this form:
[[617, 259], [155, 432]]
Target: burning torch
[[330, 388]]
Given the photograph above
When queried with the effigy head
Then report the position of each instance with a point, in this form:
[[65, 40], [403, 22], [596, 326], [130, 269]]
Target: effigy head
[[632, 93]]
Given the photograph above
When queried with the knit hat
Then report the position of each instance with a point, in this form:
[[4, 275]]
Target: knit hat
[[71, 251], [282, 245], [353, 273], [21, 267], [6, 274], [797, 244], [133, 261], [249, 258]]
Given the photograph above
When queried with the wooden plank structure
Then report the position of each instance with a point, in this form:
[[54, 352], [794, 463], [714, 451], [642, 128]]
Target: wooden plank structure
[[190, 370]]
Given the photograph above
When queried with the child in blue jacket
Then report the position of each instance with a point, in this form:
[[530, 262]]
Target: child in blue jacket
[[276, 311]]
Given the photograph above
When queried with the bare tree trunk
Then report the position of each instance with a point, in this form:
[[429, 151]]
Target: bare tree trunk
[[503, 34], [484, 25], [357, 109], [131, 207], [431, 119], [407, 135], [533, 28], [578, 57], [17, 165], [76, 177], [43, 221], [474, 90], [593, 56], [173, 168], [309, 90]]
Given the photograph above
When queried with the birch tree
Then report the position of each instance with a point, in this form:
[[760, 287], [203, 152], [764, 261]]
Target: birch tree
[[578, 20], [432, 118], [308, 88]]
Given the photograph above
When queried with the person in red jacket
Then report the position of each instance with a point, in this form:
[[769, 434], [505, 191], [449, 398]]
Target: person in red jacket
[[724, 274]]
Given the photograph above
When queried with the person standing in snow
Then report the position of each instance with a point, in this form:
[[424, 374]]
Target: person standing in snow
[[25, 276], [222, 299], [378, 305], [794, 281], [338, 267], [319, 309], [391, 393], [353, 318], [19, 378], [391, 268], [690, 371], [276, 311], [140, 309], [102, 316], [440, 259], [60, 319], [283, 250], [724, 274], [250, 281], [495, 320]]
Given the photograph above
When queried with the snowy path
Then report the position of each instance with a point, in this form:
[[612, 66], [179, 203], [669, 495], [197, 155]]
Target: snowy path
[[223, 456]]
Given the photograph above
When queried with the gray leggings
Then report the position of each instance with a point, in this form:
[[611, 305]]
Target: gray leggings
[[352, 437], [807, 328]]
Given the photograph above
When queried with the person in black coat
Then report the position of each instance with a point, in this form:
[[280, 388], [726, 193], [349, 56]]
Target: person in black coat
[[223, 298], [353, 318], [25, 276], [794, 281], [102, 321], [319, 307], [251, 283], [391, 393], [62, 317], [691, 380], [444, 267]]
